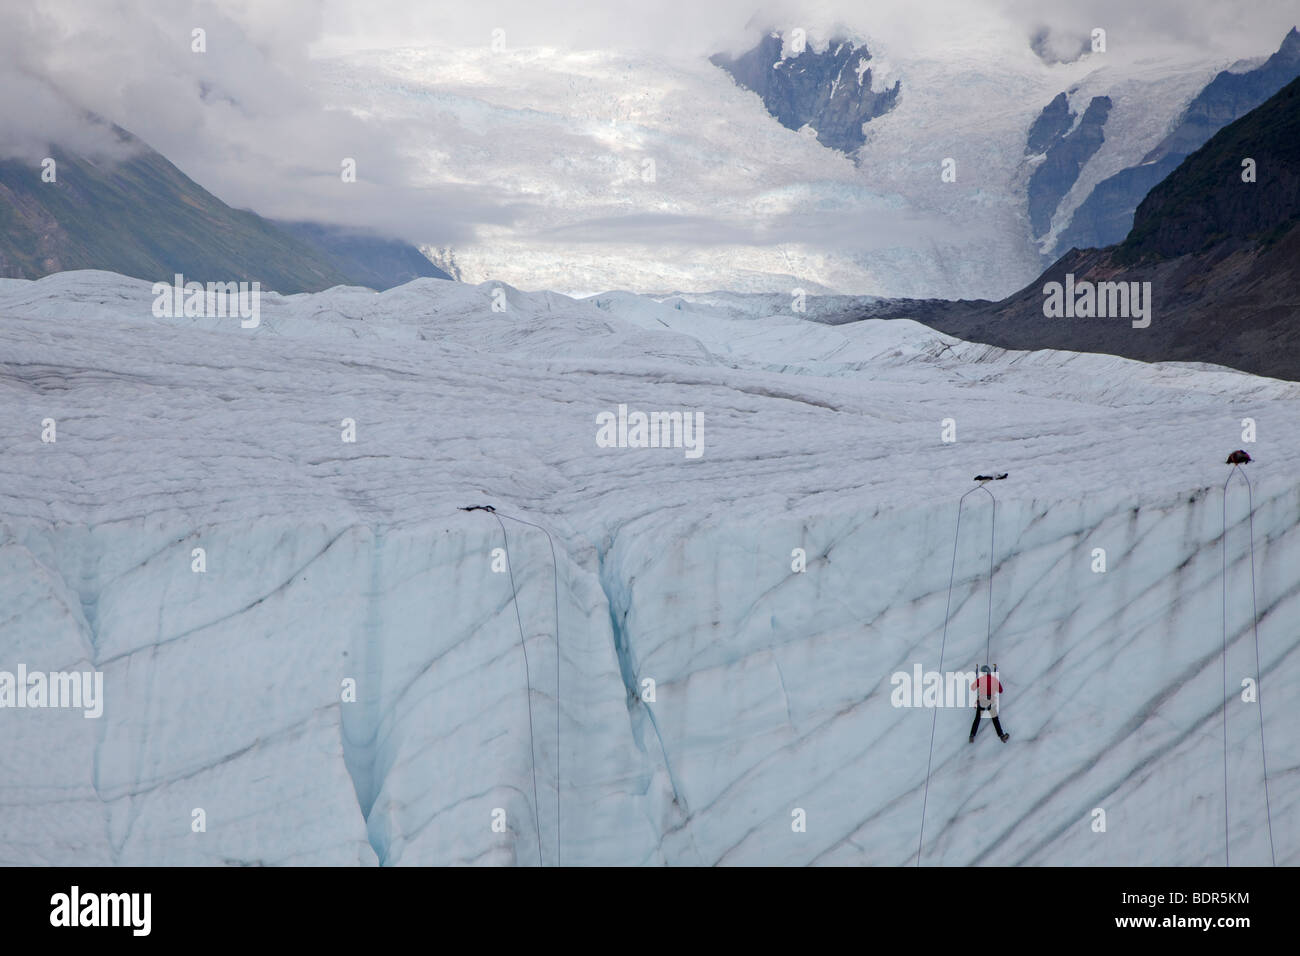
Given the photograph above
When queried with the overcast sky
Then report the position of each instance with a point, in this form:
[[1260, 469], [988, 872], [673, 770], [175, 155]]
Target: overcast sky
[[243, 118], [702, 26]]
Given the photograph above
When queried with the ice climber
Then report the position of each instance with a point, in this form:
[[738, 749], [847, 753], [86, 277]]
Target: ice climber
[[1238, 457], [988, 688]]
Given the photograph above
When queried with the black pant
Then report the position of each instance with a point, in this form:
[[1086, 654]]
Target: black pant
[[974, 728]]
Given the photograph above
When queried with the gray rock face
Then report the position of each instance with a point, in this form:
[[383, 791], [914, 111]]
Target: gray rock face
[[1067, 152], [829, 91], [1053, 123], [1106, 216]]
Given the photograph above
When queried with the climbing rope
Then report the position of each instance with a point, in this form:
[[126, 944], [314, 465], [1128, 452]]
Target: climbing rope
[[1226, 850], [531, 737], [947, 614], [555, 581], [1259, 676], [993, 527], [532, 742]]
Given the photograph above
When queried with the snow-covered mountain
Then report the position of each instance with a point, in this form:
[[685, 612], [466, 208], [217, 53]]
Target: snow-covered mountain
[[1219, 255], [1105, 215], [660, 173], [329, 560]]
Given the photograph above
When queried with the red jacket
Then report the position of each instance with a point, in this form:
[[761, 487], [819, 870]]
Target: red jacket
[[984, 685]]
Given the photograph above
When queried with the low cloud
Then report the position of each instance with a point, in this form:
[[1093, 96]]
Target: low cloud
[[842, 231], [246, 118], [242, 119]]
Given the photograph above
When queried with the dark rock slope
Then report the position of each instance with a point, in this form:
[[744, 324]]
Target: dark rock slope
[[143, 217]]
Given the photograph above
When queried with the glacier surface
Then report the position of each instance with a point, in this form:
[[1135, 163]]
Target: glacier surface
[[329, 561]]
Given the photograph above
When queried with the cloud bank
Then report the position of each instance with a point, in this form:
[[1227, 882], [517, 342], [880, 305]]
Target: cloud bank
[[244, 118]]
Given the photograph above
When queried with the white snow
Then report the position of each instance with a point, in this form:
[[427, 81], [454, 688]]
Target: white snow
[[329, 560], [737, 201]]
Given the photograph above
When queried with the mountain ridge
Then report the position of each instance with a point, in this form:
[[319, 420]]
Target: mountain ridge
[[1106, 214], [1221, 254], [141, 216]]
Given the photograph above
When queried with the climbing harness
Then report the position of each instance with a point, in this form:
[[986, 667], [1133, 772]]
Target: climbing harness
[[947, 615], [527, 673], [1259, 677]]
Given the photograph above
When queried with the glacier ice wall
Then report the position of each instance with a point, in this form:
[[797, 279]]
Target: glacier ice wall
[[329, 561]]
